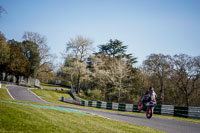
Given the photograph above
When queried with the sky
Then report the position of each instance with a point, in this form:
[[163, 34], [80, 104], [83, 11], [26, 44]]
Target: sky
[[145, 26]]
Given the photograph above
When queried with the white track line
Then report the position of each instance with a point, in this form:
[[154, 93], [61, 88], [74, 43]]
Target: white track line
[[10, 94], [105, 117]]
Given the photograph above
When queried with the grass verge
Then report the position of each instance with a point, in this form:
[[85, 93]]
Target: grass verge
[[50, 95], [3, 84], [4, 95], [54, 97], [28, 119]]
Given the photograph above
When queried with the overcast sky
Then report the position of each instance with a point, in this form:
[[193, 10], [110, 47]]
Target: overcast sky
[[146, 26]]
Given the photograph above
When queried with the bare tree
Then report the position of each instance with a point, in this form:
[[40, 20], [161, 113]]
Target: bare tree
[[2, 10], [79, 47], [186, 75], [158, 65]]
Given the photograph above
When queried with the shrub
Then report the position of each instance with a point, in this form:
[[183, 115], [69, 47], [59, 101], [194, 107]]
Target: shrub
[[95, 95]]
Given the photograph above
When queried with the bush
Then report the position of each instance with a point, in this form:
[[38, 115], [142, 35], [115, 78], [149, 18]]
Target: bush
[[95, 95]]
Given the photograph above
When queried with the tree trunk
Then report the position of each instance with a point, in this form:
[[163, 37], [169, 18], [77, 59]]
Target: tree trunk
[[104, 93], [78, 84], [187, 99], [163, 95], [162, 91], [119, 93]]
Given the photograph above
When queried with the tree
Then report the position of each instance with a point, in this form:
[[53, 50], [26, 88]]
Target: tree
[[4, 54], [78, 49], [116, 49], [100, 76], [186, 75], [158, 65], [76, 72], [19, 64], [44, 52], [4, 51], [118, 72], [46, 76], [30, 51], [113, 71], [113, 48]]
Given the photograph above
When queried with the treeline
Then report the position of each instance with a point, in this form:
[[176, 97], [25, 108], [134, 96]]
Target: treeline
[[109, 74], [29, 58], [176, 78]]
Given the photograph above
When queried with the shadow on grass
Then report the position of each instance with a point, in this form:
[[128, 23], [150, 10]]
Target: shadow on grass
[[58, 91], [53, 85]]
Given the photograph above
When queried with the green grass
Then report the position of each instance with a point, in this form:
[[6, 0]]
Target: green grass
[[50, 95], [17, 118], [54, 97], [4, 95], [3, 84], [43, 85], [27, 119]]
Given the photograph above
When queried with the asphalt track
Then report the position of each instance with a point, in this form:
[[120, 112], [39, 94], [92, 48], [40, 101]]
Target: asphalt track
[[167, 125]]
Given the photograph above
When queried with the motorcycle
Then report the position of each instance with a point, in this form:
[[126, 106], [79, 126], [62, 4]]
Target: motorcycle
[[147, 106]]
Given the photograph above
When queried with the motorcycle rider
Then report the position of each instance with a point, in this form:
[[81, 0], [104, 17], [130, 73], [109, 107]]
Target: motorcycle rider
[[148, 96]]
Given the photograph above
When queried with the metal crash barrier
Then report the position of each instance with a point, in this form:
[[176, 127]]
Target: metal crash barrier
[[169, 110]]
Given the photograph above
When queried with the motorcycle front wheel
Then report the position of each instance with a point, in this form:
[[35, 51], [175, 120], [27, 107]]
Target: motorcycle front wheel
[[139, 105]]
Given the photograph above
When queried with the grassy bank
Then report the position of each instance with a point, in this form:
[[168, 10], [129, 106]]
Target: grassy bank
[[19, 118], [50, 95], [4, 95]]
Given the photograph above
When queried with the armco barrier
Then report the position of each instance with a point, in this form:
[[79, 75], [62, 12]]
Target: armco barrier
[[167, 110], [181, 111], [194, 112], [115, 106], [129, 107], [109, 106], [98, 104], [170, 110]]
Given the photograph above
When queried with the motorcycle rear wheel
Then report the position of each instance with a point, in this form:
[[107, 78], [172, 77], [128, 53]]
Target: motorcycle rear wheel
[[149, 112]]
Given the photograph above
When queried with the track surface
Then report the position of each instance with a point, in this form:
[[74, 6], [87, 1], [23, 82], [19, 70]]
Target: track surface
[[167, 125]]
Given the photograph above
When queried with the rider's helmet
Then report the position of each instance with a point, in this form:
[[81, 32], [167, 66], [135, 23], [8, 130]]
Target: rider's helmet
[[151, 88]]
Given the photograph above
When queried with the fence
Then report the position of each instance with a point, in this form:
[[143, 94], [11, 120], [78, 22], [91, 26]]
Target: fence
[[169, 110], [22, 81]]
